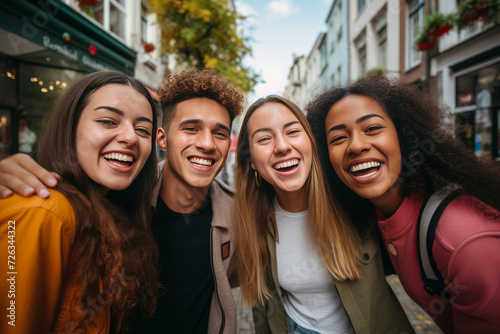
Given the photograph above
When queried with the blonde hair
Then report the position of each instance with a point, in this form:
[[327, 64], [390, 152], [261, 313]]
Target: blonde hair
[[337, 242]]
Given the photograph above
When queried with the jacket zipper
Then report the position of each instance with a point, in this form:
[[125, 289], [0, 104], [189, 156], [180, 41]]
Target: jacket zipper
[[215, 281]]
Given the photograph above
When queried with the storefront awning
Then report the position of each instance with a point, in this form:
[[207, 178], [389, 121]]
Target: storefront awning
[[45, 22]]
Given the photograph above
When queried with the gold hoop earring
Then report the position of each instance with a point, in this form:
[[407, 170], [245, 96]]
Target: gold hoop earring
[[257, 179]]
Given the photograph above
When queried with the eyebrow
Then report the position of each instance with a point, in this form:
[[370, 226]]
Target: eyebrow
[[119, 112], [269, 129], [200, 121], [359, 120]]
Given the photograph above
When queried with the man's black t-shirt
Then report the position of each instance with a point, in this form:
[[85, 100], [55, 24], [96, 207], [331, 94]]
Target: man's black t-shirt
[[186, 272]]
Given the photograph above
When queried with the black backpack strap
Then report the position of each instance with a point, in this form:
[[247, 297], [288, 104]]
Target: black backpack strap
[[431, 211]]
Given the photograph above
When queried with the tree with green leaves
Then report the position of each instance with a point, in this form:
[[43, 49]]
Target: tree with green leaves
[[205, 33]]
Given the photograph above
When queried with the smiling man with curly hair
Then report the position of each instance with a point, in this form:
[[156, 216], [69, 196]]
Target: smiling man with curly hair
[[193, 210]]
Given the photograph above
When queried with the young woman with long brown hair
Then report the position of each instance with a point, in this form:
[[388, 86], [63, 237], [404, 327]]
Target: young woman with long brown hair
[[83, 259], [301, 265]]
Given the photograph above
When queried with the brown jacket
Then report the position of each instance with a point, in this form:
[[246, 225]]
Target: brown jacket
[[222, 248]]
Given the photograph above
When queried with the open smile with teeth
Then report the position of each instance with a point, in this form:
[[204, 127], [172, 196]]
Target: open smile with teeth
[[286, 164], [119, 159], [201, 162], [365, 169]]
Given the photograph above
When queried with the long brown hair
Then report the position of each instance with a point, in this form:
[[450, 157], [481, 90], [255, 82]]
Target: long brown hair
[[255, 218], [114, 250]]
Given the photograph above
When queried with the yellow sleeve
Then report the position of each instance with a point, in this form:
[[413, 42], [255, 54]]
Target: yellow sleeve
[[35, 239]]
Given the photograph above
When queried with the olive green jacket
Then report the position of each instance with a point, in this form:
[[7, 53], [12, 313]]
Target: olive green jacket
[[369, 302]]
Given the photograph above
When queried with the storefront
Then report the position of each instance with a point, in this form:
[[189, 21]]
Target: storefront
[[477, 101], [44, 47]]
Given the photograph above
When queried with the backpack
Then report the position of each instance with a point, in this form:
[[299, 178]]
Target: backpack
[[430, 213]]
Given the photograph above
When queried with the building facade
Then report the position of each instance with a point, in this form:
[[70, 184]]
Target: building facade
[[465, 75], [46, 45], [335, 51], [374, 38]]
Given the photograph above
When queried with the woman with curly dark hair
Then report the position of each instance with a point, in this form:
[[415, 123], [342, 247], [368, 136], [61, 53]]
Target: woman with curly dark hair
[[384, 146], [84, 260]]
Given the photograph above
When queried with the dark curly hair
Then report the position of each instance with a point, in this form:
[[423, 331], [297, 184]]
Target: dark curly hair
[[198, 82], [432, 157]]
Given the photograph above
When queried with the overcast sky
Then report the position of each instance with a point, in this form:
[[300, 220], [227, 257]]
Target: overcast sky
[[280, 28]]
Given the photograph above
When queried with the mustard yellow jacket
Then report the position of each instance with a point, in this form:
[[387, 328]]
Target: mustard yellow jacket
[[38, 291]]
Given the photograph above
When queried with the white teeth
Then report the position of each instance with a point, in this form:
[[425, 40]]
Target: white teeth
[[368, 175], [286, 164], [199, 161], [365, 165], [119, 157]]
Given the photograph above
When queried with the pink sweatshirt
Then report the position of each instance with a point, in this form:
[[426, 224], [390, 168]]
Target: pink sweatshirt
[[467, 252]]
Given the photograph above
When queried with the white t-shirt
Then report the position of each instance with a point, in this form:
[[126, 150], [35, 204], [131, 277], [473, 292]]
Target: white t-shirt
[[310, 297]]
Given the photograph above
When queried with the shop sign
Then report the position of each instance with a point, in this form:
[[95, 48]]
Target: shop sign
[[466, 99], [74, 54]]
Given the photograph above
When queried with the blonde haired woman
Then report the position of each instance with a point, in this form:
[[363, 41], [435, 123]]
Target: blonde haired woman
[[302, 267]]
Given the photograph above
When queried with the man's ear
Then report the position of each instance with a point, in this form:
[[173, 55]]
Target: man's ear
[[161, 139]]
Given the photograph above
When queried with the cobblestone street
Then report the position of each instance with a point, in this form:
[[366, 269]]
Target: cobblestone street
[[420, 321]]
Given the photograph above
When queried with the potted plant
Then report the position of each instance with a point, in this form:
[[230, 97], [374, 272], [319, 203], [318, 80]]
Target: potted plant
[[378, 71], [86, 6], [435, 25], [438, 24], [471, 11]]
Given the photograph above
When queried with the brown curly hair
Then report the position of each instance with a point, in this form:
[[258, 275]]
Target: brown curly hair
[[198, 82], [432, 157]]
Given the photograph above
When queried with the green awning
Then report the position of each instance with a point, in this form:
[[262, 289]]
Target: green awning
[[44, 21]]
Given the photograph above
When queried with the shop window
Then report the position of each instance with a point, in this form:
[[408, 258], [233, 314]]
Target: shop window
[[5, 131], [465, 128], [478, 92]]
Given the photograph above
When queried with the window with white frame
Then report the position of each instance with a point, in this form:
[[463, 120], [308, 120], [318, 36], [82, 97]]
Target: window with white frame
[[339, 21], [415, 22], [381, 29], [111, 15], [361, 47], [339, 75], [144, 24], [324, 53], [361, 5]]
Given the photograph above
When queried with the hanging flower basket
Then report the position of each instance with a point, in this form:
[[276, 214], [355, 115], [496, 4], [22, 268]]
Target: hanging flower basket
[[148, 47], [471, 11], [436, 25], [87, 3], [424, 46], [443, 30]]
